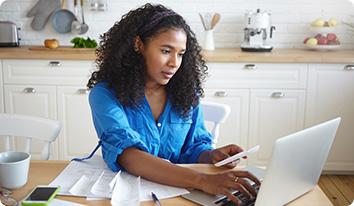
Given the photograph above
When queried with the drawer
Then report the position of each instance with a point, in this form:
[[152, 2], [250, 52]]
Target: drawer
[[260, 75], [48, 72]]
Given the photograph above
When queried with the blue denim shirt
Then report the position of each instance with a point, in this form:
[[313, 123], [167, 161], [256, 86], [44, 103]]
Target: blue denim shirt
[[180, 140]]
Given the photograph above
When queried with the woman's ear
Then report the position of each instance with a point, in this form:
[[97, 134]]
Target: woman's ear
[[138, 44]]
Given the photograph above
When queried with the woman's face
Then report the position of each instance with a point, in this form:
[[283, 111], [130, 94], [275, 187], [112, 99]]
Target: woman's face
[[163, 55]]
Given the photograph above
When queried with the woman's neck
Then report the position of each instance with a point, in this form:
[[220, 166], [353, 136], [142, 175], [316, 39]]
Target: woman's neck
[[153, 88]]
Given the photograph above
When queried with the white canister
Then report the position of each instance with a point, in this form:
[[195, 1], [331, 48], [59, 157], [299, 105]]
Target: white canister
[[14, 168], [209, 40]]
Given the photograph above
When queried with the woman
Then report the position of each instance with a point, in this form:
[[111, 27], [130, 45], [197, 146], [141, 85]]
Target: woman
[[145, 104]]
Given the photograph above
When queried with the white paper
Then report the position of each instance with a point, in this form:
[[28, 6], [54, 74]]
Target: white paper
[[102, 186], [161, 191], [92, 169], [58, 202], [94, 180], [81, 187], [126, 190]]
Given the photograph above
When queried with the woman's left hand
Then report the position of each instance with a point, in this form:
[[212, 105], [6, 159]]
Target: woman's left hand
[[221, 153]]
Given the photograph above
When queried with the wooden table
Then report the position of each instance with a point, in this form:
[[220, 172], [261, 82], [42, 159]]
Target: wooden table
[[43, 172]]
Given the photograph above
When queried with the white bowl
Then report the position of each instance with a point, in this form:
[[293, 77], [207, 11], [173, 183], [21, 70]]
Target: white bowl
[[323, 47]]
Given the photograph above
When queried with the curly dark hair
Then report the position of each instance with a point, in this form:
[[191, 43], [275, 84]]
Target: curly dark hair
[[124, 69]]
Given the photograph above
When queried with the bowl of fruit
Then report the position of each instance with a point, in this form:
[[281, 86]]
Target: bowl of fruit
[[322, 26], [324, 38]]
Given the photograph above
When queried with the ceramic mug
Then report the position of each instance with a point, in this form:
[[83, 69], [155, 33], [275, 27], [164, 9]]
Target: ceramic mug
[[14, 168]]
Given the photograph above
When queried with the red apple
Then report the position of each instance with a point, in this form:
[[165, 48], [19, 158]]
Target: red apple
[[331, 37], [318, 36], [322, 40], [305, 40]]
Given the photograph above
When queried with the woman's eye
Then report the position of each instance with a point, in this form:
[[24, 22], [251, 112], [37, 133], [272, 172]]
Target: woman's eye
[[164, 51], [181, 55]]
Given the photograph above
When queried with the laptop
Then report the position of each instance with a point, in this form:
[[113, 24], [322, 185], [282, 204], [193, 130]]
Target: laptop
[[294, 168]]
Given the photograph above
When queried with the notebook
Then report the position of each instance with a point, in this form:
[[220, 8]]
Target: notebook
[[294, 168]]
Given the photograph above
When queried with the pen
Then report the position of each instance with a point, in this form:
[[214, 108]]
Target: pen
[[156, 200]]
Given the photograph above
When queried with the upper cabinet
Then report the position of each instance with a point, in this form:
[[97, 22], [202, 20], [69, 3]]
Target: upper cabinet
[[331, 94]]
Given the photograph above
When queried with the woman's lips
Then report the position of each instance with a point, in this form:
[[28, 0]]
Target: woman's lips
[[168, 75]]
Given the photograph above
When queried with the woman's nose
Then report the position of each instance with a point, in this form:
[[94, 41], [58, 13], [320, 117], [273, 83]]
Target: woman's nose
[[173, 61]]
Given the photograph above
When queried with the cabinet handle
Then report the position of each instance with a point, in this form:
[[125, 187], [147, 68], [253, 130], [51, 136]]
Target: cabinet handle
[[82, 91], [349, 67], [29, 90], [250, 66], [54, 64], [277, 94], [220, 94]]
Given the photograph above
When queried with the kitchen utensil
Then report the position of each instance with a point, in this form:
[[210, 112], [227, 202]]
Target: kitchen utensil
[[207, 20], [8, 34], [76, 25], [84, 26], [41, 12], [62, 19], [215, 19], [203, 22]]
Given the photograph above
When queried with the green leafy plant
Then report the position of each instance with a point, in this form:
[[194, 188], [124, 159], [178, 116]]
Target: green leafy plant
[[80, 42]]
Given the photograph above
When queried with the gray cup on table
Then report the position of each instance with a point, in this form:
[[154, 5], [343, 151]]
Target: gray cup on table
[[14, 168]]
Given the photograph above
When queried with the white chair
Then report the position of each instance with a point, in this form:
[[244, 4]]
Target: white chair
[[29, 127], [215, 113]]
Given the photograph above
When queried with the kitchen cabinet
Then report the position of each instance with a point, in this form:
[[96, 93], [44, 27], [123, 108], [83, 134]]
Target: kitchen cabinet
[[274, 113], [37, 100], [50, 89], [267, 102], [1, 90], [235, 128], [78, 135], [331, 94]]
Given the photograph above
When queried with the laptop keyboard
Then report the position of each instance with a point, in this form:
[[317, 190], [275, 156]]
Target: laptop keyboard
[[245, 201]]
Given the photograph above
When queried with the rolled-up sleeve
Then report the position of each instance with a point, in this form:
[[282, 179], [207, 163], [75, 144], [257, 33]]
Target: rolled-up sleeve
[[198, 139], [112, 126]]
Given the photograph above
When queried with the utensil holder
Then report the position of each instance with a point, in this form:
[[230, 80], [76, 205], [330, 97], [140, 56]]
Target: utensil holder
[[209, 40]]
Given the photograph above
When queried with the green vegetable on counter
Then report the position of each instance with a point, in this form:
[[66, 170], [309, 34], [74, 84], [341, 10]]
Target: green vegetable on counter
[[80, 42]]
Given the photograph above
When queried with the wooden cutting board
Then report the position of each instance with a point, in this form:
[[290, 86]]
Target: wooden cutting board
[[61, 48]]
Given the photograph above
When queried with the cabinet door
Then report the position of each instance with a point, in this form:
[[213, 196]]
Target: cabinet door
[[1, 90], [78, 137], [330, 95], [32, 100], [2, 109], [234, 129], [273, 114]]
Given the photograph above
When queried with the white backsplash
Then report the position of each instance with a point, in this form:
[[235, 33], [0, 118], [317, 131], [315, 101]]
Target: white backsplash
[[290, 17]]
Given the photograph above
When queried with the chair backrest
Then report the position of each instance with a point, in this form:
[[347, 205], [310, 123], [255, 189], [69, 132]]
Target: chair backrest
[[29, 127], [216, 113]]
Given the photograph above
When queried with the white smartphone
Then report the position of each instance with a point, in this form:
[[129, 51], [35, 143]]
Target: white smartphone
[[237, 156], [41, 195]]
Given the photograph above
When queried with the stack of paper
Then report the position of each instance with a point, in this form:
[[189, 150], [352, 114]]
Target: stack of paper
[[94, 180]]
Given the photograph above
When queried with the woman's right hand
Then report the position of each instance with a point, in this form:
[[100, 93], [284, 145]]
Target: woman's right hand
[[224, 183]]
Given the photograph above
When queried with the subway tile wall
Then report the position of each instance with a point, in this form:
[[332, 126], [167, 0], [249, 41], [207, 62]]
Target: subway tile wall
[[290, 17]]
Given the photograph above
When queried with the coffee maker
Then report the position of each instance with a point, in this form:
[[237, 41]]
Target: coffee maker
[[256, 32]]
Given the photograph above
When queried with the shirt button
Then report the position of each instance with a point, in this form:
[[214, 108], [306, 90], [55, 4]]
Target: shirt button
[[159, 124]]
